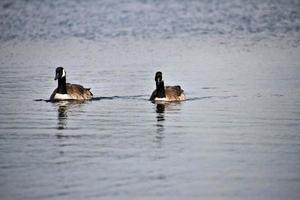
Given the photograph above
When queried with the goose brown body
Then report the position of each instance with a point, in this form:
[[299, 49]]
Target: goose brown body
[[166, 93], [75, 92], [68, 91], [172, 93]]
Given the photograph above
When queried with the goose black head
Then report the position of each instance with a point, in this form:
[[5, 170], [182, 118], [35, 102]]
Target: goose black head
[[59, 73], [158, 78]]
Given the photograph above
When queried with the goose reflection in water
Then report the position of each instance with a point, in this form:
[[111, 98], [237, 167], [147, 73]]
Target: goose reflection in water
[[62, 117], [161, 108], [63, 108]]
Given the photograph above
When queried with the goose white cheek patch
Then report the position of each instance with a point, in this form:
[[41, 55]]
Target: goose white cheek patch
[[63, 74]]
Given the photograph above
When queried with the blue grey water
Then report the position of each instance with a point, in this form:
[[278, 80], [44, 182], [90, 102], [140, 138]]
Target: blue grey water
[[236, 137]]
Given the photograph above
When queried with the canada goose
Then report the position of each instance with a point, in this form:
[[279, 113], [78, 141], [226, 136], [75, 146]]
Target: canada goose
[[67, 91], [168, 93]]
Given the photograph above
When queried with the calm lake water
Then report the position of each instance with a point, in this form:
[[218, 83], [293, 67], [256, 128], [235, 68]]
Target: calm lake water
[[236, 137]]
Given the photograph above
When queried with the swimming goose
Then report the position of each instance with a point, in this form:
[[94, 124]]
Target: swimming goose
[[67, 91], [168, 93]]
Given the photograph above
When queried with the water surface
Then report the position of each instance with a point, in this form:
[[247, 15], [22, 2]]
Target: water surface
[[236, 137]]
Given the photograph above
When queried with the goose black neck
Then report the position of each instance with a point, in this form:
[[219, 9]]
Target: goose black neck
[[160, 88], [62, 86]]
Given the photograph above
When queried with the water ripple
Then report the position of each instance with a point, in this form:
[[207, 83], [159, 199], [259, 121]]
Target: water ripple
[[257, 20]]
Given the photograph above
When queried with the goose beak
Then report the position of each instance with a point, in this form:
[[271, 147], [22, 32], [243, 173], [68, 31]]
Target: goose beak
[[56, 76]]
